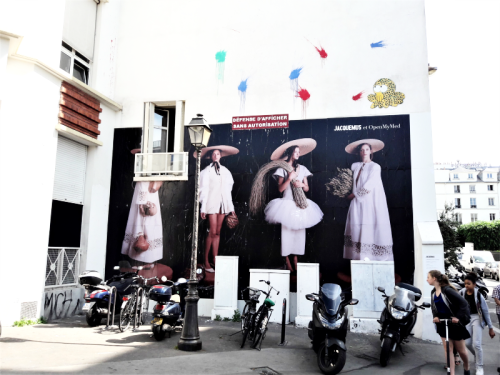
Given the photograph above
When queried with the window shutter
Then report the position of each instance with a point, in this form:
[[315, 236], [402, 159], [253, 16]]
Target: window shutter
[[71, 161], [79, 25]]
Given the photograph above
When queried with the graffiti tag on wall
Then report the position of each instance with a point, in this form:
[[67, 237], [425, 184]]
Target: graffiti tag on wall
[[63, 303]]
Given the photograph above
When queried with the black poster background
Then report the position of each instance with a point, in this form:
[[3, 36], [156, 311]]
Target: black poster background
[[257, 243]]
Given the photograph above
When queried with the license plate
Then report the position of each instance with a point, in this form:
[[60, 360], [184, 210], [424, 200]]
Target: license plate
[[86, 306], [157, 321]]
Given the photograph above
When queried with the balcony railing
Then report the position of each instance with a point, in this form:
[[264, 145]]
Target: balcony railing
[[161, 166]]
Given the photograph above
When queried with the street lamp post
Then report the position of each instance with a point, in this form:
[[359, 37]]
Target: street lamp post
[[199, 134]]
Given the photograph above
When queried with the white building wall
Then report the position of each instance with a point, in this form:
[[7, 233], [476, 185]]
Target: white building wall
[[445, 194], [28, 118], [264, 44], [27, 161]]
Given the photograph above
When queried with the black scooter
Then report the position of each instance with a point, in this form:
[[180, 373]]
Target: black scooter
[[398, 318], [97, 293], [328, 327], [168, 313]]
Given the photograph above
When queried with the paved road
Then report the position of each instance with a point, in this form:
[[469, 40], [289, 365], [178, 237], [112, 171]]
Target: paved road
[[70, 346]]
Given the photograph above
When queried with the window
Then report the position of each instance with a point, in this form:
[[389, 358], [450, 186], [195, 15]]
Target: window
[[457, 203], [473, 203], [492, 217], [162, 156], [74, 63], [491, 201], [458, 218], [490, 187], [471, 175], [472, 188], [455, 176], [457, 188], [489, 175], [473, 218], [163, 134]]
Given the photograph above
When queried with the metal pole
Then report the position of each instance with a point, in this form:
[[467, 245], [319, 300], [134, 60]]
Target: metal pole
[[111, 294], [136, 323], [190, 337], [283, 324]]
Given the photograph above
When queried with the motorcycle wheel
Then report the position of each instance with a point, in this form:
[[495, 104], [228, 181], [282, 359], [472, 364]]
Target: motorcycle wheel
[[159, 333], [125, 317], [92, 317], [385, 352], [336, 359]]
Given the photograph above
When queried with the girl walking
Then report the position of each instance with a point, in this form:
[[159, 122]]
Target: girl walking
[[479, 318], [447, 303]]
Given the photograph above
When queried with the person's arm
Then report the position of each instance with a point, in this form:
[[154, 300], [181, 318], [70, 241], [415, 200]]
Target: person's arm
[[360, 192], [486, 315], [283, 183], [204, 181], [460, 305], [229, 188]]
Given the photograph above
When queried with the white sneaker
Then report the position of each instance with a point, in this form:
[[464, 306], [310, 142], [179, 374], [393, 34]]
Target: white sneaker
[[479, 370]]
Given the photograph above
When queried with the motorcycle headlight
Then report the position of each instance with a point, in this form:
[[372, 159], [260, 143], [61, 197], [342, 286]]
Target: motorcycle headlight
[[332, 324], [397, 314]]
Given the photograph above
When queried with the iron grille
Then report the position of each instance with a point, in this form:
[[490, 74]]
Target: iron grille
[[62, 266]]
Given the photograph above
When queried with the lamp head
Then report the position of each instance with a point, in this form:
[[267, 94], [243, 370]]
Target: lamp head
[[199, 131]]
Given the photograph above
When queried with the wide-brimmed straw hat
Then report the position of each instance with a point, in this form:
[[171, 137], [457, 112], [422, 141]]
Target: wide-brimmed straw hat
[[224, 151], [376, 144], [305, 145]]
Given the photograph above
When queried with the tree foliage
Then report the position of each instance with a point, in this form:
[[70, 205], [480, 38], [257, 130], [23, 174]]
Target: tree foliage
[[484, 234], [449, 231]]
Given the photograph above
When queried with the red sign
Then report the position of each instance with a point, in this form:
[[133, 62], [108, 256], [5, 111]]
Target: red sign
[[260, 122]]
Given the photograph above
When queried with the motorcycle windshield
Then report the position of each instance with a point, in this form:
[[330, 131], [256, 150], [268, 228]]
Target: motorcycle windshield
[[402, 298], [330, 295]]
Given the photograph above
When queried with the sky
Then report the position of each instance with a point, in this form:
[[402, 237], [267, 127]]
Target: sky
[[463, 41]]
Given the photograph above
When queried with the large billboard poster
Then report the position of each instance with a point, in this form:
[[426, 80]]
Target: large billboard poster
[[326, 191]]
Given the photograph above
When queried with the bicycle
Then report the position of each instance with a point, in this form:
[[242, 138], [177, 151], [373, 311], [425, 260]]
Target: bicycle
[[263, 316], [130, 306], [249, 312]]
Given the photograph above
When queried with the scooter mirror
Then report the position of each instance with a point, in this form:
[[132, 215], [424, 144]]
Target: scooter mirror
[[116, 268], [199, 271], [353, 302], [380, 289], [426, 304], [310, 297], [163, 278]]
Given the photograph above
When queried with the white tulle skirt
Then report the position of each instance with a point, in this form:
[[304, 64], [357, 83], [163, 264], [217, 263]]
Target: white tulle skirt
[[285, 212]]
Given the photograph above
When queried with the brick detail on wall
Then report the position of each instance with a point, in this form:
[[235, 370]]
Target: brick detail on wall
[[79, 111]]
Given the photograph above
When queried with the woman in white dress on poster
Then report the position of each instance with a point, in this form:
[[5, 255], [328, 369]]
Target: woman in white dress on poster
[[284, 211], [143, 239], [367, 233], [216, 185]]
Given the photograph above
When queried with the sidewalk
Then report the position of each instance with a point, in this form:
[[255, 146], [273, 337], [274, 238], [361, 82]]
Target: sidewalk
[[70, 346]]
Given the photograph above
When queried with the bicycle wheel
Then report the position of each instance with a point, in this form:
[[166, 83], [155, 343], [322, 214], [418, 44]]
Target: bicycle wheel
[[126, 315], [243, 317], [260, 327]]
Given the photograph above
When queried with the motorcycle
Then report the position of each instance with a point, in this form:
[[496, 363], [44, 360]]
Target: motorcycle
[[398, 318], [168, 313], [457, 280], [97, 293], [328, 327]]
